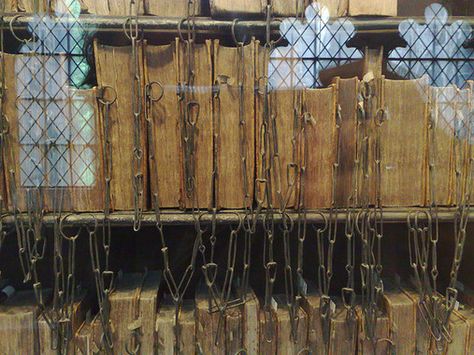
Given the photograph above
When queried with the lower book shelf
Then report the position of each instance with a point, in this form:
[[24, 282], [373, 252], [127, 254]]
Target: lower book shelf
[[139, 307]]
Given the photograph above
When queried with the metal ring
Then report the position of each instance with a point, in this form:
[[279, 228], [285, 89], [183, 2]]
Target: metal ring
[[25, 41], [102, 99], [61, 229], [149, 91]]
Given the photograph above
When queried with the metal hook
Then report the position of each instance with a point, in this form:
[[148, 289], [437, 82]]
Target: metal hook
[[25, 41]]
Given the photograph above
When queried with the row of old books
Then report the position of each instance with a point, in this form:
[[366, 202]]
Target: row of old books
[[411, 128], [217, 8], [138, 304]]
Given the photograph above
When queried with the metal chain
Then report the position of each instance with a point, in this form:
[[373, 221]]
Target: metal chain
[[264, 180], [370, 221], [348, 292], [104, 278], [326, 240], [137, 174]]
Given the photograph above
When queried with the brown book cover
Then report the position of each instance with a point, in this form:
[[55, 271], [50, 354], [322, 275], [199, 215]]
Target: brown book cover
[[234, 124], [110, 61]]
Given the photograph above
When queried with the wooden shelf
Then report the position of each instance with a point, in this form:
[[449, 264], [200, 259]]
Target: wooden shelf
[[176, 218]]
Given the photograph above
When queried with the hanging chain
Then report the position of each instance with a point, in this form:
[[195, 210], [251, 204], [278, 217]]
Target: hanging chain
[[137, 174], [370, 220], [104, 278], [263, 186], [348, 292], [326, 237]]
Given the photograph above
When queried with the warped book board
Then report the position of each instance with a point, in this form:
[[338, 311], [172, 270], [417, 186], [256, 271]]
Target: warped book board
[[166, 8], [110, 7], [401, 311], [88, 339], [311, 305], [381, 332], [286, 343], [322, 139], [285, 8], [403, 166], [54, 146], [18, 324], [348, 90], [114, 68], [268, 332], [133, 307], [164, 136], [448, 148], [182, 131], [198, 57], [209, 338], [29, 6], [234, 124], [342, 338], [460, 329], [251, 329], [165, 329], [47, 343]]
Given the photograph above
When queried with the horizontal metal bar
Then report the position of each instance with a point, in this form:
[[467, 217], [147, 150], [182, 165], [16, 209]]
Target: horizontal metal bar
[[176, 218], [206, 25]]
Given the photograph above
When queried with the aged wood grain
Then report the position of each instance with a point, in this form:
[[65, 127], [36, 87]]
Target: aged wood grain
[[233, 189], [111, 7], [403, 166], [347, 100], [321, 105], [114, 68], [459, 327], [311, 305], [203, 148], [251, 329], [166, 169], [468, 314], [281, 8], [124, 302], [286, 343], [24, 6], [165, 320], [381, 334], [100, 7], [441, 148], [79, 309], [234, 331], [228, 8], [336, 8], [18, 325], [83, 179], [284, 174], [373, 7], [207, 326], [83, 339], [147, 312], [342, 339], [268, 333], [401, 311], [165, 8]]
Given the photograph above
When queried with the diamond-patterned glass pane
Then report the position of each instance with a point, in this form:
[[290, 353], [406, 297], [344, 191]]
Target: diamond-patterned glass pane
[[435, 49], [56, 125], [315, 44]]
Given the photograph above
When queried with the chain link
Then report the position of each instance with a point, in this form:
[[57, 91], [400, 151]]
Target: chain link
[[104, 277]]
